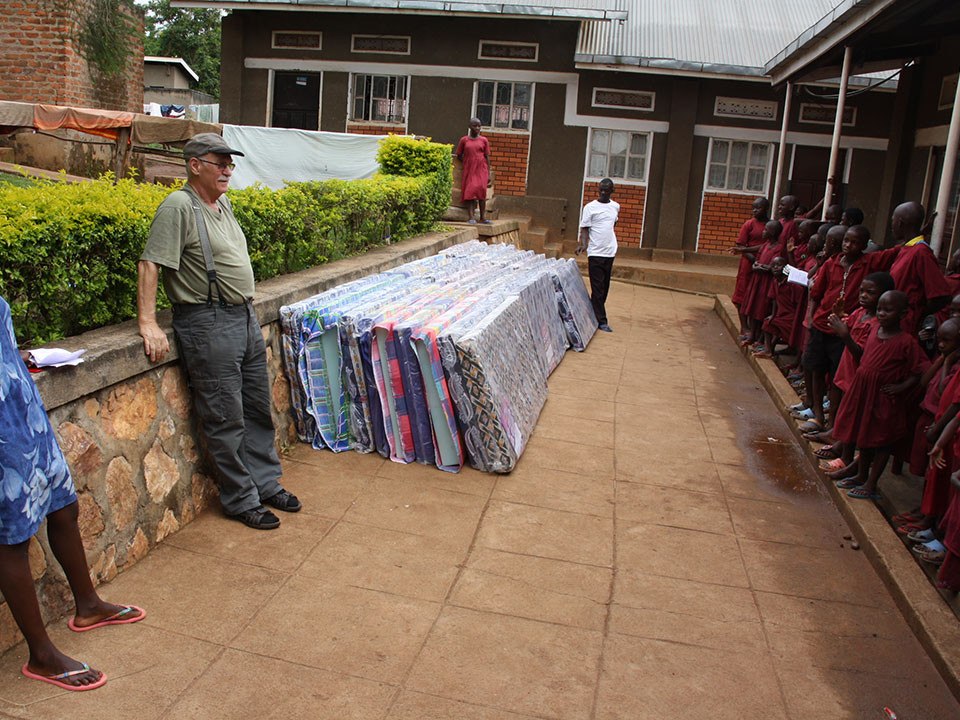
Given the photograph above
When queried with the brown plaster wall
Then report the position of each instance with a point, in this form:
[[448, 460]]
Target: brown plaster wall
[[655, 180], [232, 51], [333, 102], [454, 95], [863, 191], [557, 154], [434, 40], [677, 191]]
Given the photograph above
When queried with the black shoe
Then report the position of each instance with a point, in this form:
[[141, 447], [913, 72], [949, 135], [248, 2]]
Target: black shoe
[[258, 518], [285, 501]]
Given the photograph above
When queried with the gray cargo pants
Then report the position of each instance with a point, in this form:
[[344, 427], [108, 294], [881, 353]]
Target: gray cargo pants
[[225, 359]]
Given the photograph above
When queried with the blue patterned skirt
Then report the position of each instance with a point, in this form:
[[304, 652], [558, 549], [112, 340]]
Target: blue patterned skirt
[[34, 478]]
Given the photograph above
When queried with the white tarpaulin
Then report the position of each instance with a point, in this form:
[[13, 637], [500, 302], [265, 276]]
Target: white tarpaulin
[[276, 156]]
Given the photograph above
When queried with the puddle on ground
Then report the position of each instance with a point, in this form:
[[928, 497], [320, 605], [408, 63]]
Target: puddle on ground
[[779, 466]]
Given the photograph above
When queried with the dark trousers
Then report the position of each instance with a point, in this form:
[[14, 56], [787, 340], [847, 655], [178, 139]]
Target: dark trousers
[[225, 358], [600, 269]]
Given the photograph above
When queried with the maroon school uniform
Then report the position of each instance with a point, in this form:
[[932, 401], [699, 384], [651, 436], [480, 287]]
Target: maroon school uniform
[[750, 234], [949, 576], [835, 281], [860, 329], [936, 486], [939, 388], [798, 336], [953, 282], [789, 297], [915, 272], [756, 302], [868, 417]]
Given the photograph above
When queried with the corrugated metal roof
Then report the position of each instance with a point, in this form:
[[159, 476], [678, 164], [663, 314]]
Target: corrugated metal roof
[[594, 10], [716, 36]]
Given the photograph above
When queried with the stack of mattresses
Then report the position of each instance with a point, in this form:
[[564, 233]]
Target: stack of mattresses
[[441, 361]]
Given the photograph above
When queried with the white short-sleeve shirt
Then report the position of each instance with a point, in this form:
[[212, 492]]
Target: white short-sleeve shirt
[[600, 218]]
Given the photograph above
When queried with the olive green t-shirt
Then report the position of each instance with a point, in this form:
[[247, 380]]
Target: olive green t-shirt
[[174, 244]]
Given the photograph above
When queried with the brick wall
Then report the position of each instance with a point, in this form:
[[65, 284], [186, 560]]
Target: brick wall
[[366, 129], [631, 198], [721, 215], [508, 155], [39, 61]]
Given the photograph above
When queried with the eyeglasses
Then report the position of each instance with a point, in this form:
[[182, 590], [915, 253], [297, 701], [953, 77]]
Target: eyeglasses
[[221, 165]]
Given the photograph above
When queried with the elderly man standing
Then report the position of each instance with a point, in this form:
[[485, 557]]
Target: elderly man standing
[[209, 280]]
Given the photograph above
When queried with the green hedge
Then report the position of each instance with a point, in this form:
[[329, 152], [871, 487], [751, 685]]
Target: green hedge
[[68, 252]]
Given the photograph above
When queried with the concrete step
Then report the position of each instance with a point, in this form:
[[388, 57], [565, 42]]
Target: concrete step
[[688, 276], [537, 239], [553, 249]]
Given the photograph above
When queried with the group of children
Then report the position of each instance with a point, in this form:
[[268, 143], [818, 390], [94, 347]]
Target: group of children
[[876, 334]]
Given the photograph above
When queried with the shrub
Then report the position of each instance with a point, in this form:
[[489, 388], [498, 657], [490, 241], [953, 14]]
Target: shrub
[[69, 252], [68, 258]]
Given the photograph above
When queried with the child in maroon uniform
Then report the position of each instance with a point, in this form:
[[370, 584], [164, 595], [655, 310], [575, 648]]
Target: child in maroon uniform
[[751, 235], [941, 391], [861, 322], [871, 414], [835, 292], [756, 303], [787, 298]]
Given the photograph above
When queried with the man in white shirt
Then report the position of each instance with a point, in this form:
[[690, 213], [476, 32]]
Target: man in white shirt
[[597, 237]]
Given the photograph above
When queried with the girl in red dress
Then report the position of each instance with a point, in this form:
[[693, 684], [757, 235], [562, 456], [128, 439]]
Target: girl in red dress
[[751, 235], [787, 297], [861, 322], [871, 414], [473, 151], [942, 391], [757, 301]]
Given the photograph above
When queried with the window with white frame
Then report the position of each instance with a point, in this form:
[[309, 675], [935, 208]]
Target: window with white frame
[[618, 154], [503, 105], [738, 165], [380, 98]]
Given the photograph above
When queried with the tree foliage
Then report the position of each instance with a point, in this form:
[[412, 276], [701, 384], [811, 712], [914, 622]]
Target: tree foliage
[[192, 34]]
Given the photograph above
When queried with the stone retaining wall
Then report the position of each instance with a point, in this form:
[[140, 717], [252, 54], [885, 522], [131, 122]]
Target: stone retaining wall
[[127, 429]]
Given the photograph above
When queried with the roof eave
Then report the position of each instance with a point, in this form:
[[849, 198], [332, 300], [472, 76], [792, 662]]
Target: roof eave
[[414, 7], [830, 31], [669, 66]]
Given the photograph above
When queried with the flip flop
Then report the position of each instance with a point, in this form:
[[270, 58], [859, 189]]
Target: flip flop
[[907, 516], [911, 527], [826, 452], [116, 619], [934, 557], [810, 426], [860, 493], [847, 483], [921, 536], [831, 465], [797, 408], [934, 545], [806, 414], [55, 679]]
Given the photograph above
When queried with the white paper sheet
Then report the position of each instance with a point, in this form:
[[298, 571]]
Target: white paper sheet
[[796, 275], [55, 357]]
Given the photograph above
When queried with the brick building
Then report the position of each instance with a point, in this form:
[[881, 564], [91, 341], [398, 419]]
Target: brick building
[[40, 61], [669, 98]]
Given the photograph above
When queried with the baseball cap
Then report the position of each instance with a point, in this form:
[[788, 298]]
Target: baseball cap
[[207, 143]]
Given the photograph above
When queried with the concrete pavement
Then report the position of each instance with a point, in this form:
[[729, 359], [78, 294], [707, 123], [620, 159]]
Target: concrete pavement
[[661, 551]]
